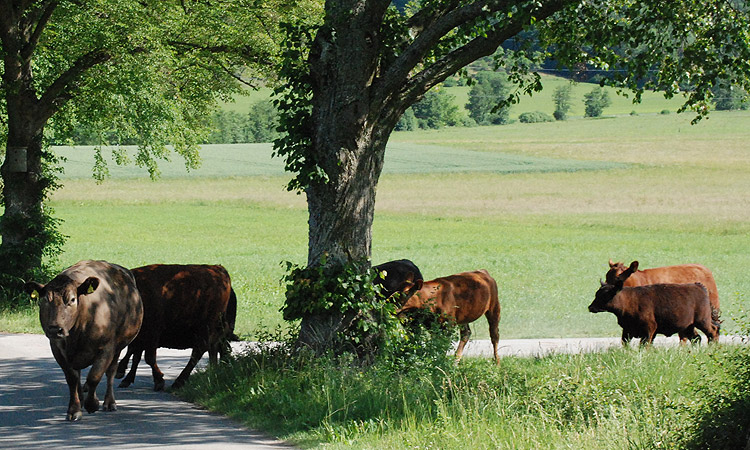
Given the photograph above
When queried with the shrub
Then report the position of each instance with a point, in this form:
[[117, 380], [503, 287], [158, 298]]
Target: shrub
[[665, 112], [596, 101], [535, 117]]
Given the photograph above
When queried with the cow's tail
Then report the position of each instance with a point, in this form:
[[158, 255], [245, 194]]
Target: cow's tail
[[230, 316]]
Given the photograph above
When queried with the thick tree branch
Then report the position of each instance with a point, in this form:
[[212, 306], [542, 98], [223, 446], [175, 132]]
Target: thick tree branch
[[60, 90], [412, 88]]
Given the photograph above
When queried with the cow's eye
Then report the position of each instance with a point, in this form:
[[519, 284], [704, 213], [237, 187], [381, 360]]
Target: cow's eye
[[71, 301]]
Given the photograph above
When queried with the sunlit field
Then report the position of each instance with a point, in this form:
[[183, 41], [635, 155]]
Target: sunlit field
[[543, 207]]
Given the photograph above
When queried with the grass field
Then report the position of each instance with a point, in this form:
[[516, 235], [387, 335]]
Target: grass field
[[543, 207]]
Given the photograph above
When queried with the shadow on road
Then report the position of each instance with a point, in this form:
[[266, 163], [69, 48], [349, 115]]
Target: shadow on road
[[34, 398]]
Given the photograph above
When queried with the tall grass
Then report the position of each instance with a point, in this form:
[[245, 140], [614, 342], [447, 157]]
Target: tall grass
[[621, 399]]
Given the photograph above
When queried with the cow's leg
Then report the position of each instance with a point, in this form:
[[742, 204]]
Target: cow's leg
[[493, 317], [123, 366], [155, 372], [130, 378], [465, 335], [109, 397], [194, 358], [73, 378], [690, 334], [101, 364]]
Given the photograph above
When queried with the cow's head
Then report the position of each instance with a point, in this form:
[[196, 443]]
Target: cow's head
[[618, 271], [603, 296], [406, 289], [59, 303]]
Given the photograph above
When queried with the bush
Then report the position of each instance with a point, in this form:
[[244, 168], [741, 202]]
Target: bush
[[596, 101], [407, 122], [665, 112], [535, 117], [729, 98]]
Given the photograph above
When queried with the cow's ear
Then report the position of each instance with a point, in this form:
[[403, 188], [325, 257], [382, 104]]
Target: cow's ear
[[612, 264], [34, 289], [633, 266], [88, 286], [418, 284]]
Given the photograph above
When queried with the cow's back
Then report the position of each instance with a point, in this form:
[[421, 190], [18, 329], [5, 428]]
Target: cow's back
[[467, 296], [679, 274], [182, 302]]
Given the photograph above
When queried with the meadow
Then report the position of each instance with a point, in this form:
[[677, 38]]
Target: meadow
[[542, 206]]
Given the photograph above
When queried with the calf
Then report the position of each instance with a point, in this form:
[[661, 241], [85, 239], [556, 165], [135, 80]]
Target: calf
[[644, 311], [186, 306], [683, 273], [461, 299], [89, 312], [393, 274]]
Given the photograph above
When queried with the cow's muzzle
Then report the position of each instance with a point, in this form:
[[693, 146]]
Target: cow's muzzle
[[55, 332], [594, 309]]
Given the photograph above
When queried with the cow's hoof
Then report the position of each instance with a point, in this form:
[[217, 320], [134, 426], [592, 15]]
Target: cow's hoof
[[124, 384], [74, 416], [110, 406], [178, 383], [91, 406], [159, 385]]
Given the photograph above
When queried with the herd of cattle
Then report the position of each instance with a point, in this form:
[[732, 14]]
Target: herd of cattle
[[94, 309]]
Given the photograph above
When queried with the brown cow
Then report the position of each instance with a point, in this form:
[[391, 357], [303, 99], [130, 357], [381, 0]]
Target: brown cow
[[460, 298], [89, 312], [683, 273], [185, 307], [644, 311]]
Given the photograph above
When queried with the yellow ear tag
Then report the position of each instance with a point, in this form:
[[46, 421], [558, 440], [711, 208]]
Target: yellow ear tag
[[90, 289], [34, 294]]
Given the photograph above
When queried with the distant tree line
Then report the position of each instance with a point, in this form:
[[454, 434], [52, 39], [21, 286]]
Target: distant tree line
[[437, 109]]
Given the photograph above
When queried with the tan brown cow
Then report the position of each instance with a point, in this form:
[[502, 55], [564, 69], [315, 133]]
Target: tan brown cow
[[644, 311], [185, 307], [89, 312], [683, 273], [460, 298]]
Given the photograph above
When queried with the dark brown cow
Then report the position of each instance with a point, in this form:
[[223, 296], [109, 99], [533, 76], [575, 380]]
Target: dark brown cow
[[683, 273], [461, 298], [185, 307], [644, 311], [89, 312]]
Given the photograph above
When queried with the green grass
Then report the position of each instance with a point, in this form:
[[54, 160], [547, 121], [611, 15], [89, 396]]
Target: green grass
[[620, 399], [543, 207]]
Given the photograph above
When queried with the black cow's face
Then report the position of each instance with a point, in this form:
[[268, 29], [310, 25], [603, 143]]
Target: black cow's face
[[59, 304], [603, 296]]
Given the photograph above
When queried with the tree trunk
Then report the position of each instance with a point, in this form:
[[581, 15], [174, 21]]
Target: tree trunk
[[22, 226], [348, 143]]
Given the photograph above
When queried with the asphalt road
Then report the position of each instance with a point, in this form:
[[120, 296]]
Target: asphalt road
[[34, 398]]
